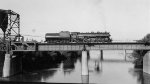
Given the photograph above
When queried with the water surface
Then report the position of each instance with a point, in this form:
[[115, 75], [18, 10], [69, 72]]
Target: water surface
[[114, 69]]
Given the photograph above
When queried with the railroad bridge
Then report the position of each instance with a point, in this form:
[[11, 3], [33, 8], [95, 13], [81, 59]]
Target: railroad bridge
[[11, 27], [84, 47], [28, 46]]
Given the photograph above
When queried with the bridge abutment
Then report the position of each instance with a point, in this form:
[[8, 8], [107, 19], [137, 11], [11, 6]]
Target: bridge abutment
[[84, 66], [146, 63]]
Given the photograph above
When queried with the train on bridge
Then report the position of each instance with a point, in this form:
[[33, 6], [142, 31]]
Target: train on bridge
[[78, 37]]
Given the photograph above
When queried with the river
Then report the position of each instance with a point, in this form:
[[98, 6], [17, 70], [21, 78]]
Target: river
[[115, 68]]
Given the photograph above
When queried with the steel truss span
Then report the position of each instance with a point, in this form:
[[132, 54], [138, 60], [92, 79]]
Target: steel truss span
[[33, 46]]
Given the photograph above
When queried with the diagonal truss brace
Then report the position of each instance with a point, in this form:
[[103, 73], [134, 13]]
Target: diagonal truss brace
[[13, 29], [12, 32]]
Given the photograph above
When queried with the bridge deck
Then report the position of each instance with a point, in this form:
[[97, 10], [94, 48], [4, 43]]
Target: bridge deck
[[93, 46], [32, 46]]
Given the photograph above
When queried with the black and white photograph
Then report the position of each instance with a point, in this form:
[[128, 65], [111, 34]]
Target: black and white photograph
[[75, 41]]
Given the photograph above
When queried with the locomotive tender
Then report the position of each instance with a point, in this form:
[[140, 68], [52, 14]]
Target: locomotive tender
[[78, 37]]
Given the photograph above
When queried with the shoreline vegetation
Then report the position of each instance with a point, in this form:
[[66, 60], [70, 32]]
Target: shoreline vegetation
[[139, 54]]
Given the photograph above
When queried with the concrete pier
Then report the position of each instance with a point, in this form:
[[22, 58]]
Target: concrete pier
[[12, 65], [146, 63], [7, 65], [84, 66], [125, 58]]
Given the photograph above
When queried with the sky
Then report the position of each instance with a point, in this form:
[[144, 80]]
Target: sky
[[124, 19]]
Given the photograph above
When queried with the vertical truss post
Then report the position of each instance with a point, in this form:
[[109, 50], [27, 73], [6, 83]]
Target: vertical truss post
[[12, 29]]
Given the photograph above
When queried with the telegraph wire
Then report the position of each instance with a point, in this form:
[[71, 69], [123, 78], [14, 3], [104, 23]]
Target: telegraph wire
[[34, 36], [28, 35]]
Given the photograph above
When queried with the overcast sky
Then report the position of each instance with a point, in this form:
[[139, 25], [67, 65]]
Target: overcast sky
[[124, 19]]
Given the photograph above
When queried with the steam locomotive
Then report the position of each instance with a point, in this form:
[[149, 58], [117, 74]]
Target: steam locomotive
[[78, 37]]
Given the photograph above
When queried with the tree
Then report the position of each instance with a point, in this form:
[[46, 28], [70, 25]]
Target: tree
[[139, 54]]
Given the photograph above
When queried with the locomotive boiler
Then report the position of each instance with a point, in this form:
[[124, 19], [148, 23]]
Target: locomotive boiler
[[78, 37]]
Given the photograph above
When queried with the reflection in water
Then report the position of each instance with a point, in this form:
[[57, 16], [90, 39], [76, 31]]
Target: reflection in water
[[137, 73], [69, 62], [85, 79], [146, 78], [108, 71], [68, 65], [95, 56], [142, 77], [98, 66]]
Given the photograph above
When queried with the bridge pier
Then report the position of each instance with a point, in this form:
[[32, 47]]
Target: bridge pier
[[146, 63], [125, 57], [7, 65], [12, 65], [101, 51], [84, 67]]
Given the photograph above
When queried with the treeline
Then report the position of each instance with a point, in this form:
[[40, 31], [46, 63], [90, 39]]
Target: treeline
[[139, 54]]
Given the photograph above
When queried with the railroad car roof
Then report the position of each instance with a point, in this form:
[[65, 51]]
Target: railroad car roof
[[52, 34]]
